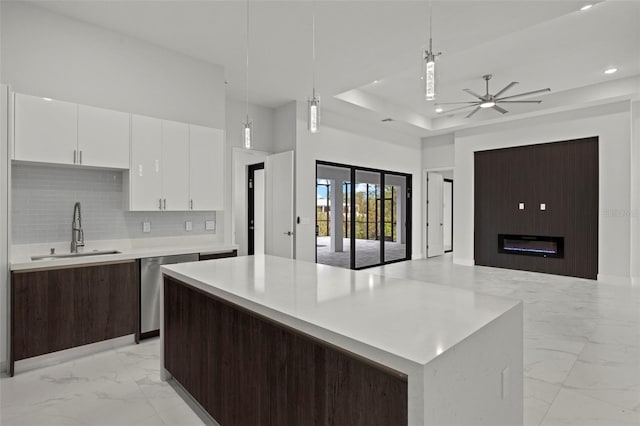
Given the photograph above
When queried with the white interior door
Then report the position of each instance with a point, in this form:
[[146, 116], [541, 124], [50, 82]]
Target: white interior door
[[279, 205], [258, 212], [435, 230]]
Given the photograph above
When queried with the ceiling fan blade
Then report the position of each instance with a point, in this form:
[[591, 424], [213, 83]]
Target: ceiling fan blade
[[455, 103], [519, 102], [473, 112], [459, 108], [472, 93], [501, 110], [526, 94], [507, 87]]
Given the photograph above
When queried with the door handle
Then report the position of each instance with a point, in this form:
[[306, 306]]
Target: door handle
[[75, 156], [80, 156], [288, 233], [160, 204]]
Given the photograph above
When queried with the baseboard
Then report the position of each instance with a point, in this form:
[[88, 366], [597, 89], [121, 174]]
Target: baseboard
[[71, 354], [615, 279], [465, 262]]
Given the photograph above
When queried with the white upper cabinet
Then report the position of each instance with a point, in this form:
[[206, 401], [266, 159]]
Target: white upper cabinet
[[145, 175], [206, 174], [175, 158], [103, 137], [51, 131], [46, 130]]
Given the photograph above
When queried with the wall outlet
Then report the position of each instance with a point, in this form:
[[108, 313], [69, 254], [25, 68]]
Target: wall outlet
[[521, 206], [146, 226], [210, 225], [188, 226], [543, 206]]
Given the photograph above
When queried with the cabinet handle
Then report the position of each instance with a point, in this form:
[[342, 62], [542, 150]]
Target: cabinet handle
[[160, 204], [165, 204], [75, 156], [191, 204], [80, 156]]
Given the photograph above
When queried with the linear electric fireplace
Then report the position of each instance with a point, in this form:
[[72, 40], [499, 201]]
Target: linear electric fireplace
[[531, 245]]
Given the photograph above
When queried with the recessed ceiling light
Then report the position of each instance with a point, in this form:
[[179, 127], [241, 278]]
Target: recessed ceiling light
[[610, 70], [439, 110], [586, 7], [47, 99], [376, 81]]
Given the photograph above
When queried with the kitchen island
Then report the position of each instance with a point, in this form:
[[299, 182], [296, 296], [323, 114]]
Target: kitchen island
[[268, 340]]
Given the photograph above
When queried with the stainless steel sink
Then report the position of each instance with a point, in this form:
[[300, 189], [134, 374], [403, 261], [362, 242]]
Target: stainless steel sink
[[67, 255]]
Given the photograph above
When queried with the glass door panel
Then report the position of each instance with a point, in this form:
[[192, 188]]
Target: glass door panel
[[395, 217], [368, 211]]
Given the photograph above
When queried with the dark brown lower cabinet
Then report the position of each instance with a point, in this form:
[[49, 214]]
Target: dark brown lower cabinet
[[63, 308], [245, 369]]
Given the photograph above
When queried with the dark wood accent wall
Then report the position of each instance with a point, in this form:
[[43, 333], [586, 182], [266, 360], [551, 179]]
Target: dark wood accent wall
[[564, 176], [63, 308], [245, 369], [210, 256]]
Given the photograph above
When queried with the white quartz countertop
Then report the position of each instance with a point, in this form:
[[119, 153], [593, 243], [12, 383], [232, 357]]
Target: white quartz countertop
[[413, 320], [128, 248]]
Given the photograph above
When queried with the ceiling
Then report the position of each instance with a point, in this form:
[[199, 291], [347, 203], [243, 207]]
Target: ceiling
[[537, 43]]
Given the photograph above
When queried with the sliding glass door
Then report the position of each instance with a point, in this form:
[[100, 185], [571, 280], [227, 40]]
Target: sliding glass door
[[363, 216]]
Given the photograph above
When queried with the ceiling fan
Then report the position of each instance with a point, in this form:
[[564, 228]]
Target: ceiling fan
[[492, 101]]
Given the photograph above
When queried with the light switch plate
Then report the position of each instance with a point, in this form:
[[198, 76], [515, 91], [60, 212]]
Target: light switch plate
[[188, 226], [210, 225], [146, 226]]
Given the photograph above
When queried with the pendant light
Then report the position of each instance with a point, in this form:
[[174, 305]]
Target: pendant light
[[429, 76], [314, 102], [247, 129]]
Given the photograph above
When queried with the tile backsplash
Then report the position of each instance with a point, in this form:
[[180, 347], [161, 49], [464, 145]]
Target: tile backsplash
[[43, 199]]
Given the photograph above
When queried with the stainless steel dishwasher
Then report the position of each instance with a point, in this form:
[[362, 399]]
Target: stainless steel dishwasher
[[150, 285]]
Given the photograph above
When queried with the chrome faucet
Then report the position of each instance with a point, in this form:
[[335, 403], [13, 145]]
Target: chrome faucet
[[77, 234]]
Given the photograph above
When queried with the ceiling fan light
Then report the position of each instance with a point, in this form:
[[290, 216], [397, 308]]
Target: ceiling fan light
[[487, 104], [439, 110]]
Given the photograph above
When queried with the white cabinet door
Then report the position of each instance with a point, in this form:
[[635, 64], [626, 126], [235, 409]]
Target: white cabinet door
[[206, 163], [175, 160], [45, 130], [103, 137], [145, 179]]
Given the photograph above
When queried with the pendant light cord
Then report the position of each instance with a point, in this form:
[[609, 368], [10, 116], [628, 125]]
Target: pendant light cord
[[247, 74], [430, 24], [313, 51]]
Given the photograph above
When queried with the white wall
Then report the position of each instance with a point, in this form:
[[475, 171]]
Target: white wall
[[339, 145], [4, 217], [46, 54], [284, 138], [239, 158], [635, 193], [611, 123], [438, 152]]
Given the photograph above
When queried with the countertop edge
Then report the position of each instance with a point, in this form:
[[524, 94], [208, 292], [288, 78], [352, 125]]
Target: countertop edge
[[125, 255]]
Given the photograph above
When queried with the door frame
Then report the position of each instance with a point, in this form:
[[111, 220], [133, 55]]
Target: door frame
[[352, 212], [452, 185], [251, 170]]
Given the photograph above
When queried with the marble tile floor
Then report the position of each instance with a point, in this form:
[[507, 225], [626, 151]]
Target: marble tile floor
[[112, 388], [581, 340], [582, 359]]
